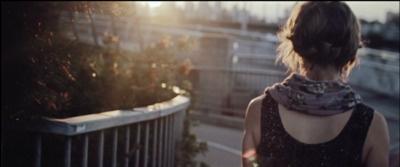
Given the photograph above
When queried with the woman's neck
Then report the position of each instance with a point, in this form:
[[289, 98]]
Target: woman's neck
[[319, 73]]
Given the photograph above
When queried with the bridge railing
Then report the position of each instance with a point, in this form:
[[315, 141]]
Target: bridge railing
[[145, 136], [228, 91]]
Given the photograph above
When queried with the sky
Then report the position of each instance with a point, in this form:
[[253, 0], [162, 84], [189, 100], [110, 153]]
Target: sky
[[368, 10]]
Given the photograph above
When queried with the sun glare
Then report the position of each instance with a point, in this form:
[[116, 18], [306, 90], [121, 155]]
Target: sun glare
[[153, 4]]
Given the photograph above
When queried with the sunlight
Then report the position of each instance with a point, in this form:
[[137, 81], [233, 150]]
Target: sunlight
[[153, 4]]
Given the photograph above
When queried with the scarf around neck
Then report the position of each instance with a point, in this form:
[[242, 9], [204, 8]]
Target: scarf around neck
[[322, 98]]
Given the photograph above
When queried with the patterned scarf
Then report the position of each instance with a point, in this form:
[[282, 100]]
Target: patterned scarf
[[321, 98]]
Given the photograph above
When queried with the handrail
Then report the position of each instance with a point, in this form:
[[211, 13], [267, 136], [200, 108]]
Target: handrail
[[94, 122], [155, 128]]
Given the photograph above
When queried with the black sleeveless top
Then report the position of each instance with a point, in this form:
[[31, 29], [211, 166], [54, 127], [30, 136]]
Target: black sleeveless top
[[277, 148]]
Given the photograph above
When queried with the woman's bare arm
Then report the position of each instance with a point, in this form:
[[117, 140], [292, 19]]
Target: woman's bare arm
[[378, 136], [251, 127]]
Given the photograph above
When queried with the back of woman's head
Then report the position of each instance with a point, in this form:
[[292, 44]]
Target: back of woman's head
[[320, 33]]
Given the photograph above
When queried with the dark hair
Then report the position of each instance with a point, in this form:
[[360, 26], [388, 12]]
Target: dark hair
[[320, 32]]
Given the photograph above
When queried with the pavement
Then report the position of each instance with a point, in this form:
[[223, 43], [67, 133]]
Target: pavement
[[224, 145], [224, 133]]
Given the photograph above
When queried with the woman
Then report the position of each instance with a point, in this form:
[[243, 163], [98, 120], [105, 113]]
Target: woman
[[314, 118]]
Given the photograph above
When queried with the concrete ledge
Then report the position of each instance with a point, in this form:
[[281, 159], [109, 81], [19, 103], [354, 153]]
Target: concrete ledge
[[218, 119]]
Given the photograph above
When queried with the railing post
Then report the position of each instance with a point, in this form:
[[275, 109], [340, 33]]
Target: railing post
[[101, 148], [114, 148], [160, 157], [67, 156], [126, 158], [155, 143], [38, 150], [177, 134], [165, 157], [146, 145], [137, 152], [172, 138], [85, 150]]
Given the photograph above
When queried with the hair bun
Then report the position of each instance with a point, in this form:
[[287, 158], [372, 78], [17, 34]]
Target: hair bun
[[323, 33], [319, 51], [323, 48]]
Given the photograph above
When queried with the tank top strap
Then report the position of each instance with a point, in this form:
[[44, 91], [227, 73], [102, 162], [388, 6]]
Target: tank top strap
[[356, 129], [269, 113], [360, 120], [270, 122]]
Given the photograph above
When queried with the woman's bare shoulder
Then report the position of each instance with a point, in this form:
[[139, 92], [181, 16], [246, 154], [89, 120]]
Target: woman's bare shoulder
[[377, 142], [254, 107], [256, 102], [378, 126]]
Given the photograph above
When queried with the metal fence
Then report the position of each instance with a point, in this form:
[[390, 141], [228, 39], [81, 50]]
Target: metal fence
[[146, 136], [229, 90]]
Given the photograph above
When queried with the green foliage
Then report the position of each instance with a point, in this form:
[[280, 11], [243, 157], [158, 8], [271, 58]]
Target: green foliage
[[76, 79], [190, 147], [45, 74], [51, 76]]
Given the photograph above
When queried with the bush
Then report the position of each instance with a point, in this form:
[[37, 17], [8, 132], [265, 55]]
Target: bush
[[63, 81], [51, 76], [45, 74]]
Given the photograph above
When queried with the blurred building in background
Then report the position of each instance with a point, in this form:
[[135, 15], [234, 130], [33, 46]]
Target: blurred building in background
[[383, 35]]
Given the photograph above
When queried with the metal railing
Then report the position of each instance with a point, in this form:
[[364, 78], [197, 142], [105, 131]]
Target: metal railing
[[145, 136], [228, 90]]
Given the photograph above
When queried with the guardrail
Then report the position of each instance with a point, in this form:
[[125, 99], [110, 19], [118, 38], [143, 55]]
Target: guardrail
[[148, 137]]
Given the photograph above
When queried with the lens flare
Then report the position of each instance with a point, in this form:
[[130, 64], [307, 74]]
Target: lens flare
[[250, 155], [153, 4]]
